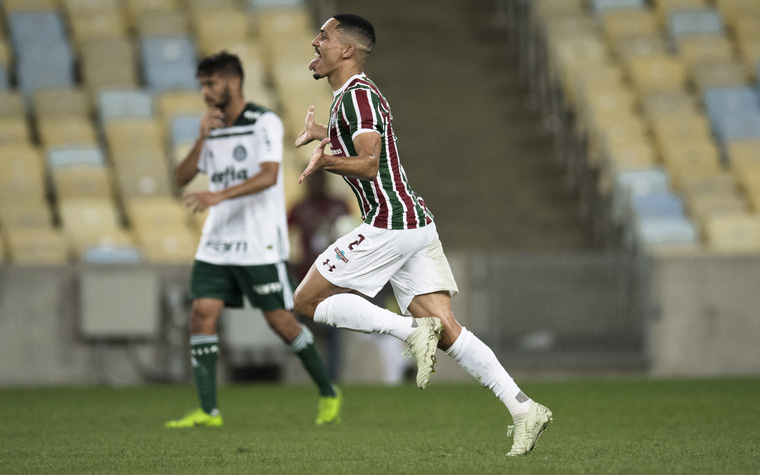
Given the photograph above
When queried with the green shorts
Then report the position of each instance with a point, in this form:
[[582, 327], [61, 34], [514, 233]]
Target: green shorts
[[267, 287]]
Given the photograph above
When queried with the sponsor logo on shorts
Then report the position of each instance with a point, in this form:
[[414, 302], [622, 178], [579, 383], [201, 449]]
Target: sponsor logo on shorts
[[330, 268], [340, 254], [228, 246], [270, 288]]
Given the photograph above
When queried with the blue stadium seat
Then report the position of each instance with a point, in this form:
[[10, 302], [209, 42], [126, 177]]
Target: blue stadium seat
[[600, 6], [255, 4], [185, 128], [116, 103], [665, 230], [734, 112], [657, 205], [112, 255], [690, 22], [52, 65], [168, 63], [28, 30], [631, 183], [62, 156]]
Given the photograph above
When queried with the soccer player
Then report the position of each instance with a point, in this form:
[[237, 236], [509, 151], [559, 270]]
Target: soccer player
[[244, 245], [397, 240]]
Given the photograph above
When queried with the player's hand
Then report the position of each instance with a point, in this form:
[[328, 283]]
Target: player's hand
[[317, 160], [201, 200], [309, 132], [212, 119]]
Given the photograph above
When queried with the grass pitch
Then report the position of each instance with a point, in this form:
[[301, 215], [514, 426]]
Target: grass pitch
[[605, 426]]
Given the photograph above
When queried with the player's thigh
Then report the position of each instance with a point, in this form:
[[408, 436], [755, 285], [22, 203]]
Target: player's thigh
[[212, 281], [267, 287], [364, 259], [426, 272]]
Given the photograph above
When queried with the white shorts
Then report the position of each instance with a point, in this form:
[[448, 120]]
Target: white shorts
[[367, 258]]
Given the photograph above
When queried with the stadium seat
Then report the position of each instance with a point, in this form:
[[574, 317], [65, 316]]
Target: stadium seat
[[185, 129], [108, 63], [162, 23], [136, 8], [134, 133], [30, 29], [718, 73], [734, 112], [632, 183], [734, 233], [25, 213], [12, 105], [622, 24], [168, 63], [731, 10], [178, 102], [687, 22], [142, 173], [703, 207], [665, 8], [47, 65], [217, 29], [106, 253], [5, 81], [603, 6], [691, 160], [23, 173], [749, 53], [61, 102], [704, 48], [97, 24], [123, 103], [657, 73], [656, 233], [742, 153], [72, 155], [45, 246], [662, 104], [82, 181], [87, 220], [156, 214], [70, 131], [176, 246], [13, 131]]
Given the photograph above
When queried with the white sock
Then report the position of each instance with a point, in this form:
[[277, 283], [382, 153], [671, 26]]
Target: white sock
[[352, 312], [481, 363]]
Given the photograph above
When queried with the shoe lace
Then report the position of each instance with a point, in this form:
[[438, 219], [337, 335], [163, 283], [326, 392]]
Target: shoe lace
[[510, 431]]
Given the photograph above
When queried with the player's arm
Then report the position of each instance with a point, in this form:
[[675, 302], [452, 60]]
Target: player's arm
[[363, 166], [187, 168], [311, 130], [265, 178]]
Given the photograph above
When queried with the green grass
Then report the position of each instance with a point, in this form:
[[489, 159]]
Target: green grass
[[605, 426]]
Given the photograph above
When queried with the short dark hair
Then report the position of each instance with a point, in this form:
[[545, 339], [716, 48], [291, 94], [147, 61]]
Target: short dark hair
[[358, 26], [222, 62]]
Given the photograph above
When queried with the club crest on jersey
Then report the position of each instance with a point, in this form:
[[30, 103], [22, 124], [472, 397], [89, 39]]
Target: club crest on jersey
[[239, 153]]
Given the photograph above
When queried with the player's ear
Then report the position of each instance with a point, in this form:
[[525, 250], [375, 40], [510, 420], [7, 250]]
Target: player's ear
[[348, 51]]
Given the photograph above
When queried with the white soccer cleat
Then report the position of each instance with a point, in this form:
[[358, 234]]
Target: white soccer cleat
[[528, 428], [422, 345]]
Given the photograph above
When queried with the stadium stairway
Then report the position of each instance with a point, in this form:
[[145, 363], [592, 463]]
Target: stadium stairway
[[471, 147]]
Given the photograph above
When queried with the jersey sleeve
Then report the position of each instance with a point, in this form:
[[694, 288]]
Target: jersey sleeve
[[362, 110], [203, 159], [269, 136]]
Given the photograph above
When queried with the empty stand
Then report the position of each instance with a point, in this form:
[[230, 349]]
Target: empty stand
[[168, 62]]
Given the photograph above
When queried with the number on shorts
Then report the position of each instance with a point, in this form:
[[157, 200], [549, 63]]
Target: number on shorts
[[356, 243]]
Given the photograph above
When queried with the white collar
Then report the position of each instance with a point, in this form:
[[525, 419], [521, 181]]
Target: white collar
[[345, 84]]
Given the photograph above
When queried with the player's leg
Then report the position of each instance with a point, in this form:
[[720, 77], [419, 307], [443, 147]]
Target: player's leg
[[269, 288], [211, 287], [301, 342]]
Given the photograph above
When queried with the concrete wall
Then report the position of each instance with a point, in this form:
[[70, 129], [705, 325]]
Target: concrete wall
[[697, 314]]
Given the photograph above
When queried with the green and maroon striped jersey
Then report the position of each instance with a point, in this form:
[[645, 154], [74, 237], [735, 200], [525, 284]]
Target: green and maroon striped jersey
[[387, 201]]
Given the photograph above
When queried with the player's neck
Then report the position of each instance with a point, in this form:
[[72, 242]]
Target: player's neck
[[341, 76], [233, 110]]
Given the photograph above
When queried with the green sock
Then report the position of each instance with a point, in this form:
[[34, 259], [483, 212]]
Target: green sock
[[205, 351], [303, 347]]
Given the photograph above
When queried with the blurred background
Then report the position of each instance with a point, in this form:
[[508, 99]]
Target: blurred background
[[593, 166]]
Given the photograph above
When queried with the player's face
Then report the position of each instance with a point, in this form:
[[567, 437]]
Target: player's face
[[327, 47], [216, 90]]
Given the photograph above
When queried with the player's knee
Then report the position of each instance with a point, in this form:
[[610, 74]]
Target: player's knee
[[302, 304], [202, 320]]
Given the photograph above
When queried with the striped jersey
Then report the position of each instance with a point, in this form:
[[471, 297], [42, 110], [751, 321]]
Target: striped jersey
[[251, 229], [387, 201]]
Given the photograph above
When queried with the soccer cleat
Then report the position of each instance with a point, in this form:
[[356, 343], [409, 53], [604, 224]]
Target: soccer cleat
[[528, 428], [422, 345], [197, 418], [328, 411]]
